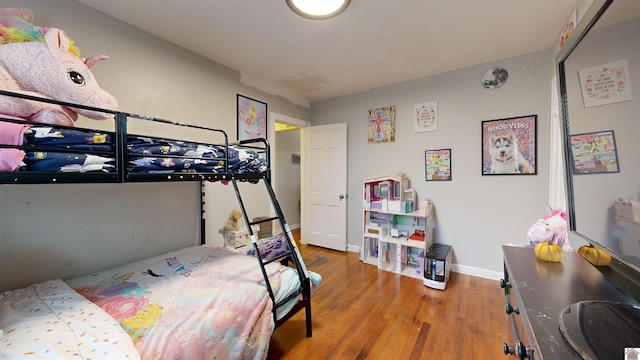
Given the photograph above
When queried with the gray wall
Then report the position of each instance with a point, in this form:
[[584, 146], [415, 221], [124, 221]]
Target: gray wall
[[148, 76], [475, 214], [66, 230], [288, 173]]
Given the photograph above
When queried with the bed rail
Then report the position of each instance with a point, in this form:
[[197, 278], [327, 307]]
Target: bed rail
[[214, 156]]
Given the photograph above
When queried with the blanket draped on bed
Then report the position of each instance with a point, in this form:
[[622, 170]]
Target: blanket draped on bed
[[216, 307], [174, 155]]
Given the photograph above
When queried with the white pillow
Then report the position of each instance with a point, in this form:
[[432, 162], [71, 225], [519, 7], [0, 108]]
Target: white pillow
[[50, 320]]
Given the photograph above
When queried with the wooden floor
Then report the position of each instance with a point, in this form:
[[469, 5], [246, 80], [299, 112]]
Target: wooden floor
[[360, 312]]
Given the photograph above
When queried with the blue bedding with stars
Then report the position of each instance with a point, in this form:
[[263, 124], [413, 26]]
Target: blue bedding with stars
[[149, 155]]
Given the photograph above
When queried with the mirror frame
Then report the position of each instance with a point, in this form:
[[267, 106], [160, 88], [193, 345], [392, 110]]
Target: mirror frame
[[621, 272], [591, 16]]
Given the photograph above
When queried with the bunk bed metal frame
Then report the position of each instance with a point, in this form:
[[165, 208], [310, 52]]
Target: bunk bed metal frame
[[122, 174]]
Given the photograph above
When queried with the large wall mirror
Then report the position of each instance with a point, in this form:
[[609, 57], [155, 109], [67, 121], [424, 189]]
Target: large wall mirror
[[599, 75]]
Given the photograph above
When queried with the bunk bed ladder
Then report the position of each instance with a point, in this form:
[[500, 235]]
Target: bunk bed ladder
[[293, 256]]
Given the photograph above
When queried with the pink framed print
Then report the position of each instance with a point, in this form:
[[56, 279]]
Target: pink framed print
[[251, 118]]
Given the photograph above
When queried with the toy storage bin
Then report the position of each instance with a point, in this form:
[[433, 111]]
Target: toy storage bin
[[266, 228], [437, 266], [236, 239]]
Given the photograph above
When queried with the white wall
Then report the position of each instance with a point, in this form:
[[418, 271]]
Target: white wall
[[148, 76], [475, 214]]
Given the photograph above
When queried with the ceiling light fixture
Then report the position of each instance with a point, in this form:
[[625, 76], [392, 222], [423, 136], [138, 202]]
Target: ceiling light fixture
[[318, 9]]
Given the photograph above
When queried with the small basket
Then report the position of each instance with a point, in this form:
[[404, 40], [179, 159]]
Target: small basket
[[236, 239]]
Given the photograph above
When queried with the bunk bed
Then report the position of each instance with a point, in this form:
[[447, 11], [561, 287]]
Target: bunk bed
[[192, 303]]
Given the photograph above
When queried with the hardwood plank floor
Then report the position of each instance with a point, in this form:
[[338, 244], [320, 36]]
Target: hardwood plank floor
[[360, 312]]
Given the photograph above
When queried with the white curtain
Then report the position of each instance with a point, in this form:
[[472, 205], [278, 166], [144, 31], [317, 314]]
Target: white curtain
[[557, 190]]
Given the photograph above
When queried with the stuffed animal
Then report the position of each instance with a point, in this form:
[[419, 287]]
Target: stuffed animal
[[552, 228], [232, 222], [44, 62]]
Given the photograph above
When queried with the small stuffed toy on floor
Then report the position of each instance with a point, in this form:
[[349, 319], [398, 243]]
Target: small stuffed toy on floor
[[552, 228]]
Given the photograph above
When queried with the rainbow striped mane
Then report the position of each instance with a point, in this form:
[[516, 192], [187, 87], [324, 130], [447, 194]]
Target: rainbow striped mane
[[16, 26]]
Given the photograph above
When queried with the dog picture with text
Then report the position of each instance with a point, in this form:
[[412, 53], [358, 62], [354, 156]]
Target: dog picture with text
[[509, 146]]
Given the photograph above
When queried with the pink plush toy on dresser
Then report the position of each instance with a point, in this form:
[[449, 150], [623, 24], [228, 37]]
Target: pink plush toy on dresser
[[551, 228], [42, 62]]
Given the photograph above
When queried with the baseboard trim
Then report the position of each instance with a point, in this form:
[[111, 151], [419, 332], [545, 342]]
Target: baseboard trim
[[278, 230], [353, 248], [294, 226], [474, 271], [462, 269]]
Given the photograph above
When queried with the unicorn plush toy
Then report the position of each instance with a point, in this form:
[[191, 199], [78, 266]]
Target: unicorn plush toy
[[44, 62]]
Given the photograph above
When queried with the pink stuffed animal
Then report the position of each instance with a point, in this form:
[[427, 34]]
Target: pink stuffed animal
[[552, 228], [43, 62]]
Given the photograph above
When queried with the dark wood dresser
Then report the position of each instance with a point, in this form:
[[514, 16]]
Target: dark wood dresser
[[536, 293]]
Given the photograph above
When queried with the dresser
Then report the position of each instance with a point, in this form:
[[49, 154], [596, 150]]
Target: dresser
[[537, 292]]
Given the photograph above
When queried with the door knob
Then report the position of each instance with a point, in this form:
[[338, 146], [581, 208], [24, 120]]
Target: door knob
[[341, 196]]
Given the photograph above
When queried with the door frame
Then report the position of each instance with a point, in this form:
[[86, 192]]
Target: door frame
[[271, 137]]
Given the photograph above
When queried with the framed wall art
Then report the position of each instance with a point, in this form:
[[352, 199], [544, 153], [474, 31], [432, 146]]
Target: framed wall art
[[381, 125], [426, 116], [509, 146], [593, 153], [605, 84], [437, 165], [251, 118]]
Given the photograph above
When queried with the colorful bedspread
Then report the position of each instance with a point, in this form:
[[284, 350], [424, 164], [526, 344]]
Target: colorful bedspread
[[197, 303], [50, 320]]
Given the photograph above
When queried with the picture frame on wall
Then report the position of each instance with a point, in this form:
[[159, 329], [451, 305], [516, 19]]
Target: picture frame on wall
[[381, 125], [426, 116], [509, 146], [594, 153], [251, 119], [437, 165]]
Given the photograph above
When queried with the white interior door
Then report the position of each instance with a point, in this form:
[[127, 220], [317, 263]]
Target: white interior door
[[324, 186]]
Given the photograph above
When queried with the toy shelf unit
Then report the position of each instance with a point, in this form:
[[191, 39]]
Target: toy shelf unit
[[396, 234]]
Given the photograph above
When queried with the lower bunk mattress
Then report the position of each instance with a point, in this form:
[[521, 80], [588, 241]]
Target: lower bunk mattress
[[199, 302]]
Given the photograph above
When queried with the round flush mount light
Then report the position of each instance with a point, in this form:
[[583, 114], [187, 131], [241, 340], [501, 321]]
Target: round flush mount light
[[318, 9]]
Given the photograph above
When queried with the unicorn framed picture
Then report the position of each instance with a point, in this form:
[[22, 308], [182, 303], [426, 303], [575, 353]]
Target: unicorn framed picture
[[251, 118]]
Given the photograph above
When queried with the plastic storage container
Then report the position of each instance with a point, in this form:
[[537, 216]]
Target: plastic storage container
[[437, 266]]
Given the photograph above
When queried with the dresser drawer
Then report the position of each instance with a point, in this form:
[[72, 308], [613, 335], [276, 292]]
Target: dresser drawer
[[518, 344]]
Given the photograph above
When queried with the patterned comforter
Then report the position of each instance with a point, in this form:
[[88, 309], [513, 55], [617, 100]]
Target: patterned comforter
[[94, 152], [196, 303]]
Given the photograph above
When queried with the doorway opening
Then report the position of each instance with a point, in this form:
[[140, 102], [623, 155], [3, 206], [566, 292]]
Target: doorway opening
[[285, 157]]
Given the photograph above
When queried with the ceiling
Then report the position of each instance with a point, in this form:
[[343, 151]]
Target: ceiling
[[372, 44]]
